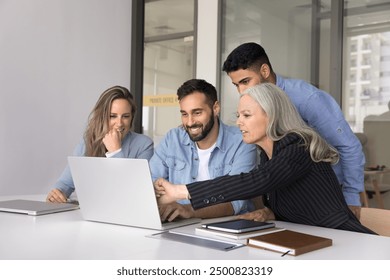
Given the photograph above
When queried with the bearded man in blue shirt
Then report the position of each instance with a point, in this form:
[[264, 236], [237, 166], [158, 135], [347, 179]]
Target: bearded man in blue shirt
[[202, 148], [248, 65]]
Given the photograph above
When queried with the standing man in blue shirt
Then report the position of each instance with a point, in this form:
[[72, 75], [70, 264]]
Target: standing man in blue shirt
[[248, 65], [202, 148]]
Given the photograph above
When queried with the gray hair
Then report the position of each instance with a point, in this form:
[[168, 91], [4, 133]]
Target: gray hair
[[284, 119]]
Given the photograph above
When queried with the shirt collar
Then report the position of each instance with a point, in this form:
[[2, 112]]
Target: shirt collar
[[280, 82]]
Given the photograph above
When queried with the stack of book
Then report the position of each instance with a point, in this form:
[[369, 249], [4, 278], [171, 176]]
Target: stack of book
[[238, 229], [265, 235]]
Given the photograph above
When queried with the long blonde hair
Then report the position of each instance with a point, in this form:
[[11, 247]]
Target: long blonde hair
[[284, 118], [98, 121]]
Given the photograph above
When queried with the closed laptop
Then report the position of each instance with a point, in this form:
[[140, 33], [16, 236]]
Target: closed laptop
[[35, 208]]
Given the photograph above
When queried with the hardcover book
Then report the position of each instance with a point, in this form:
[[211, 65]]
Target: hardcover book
[[237, 236], [239, 225], [289, 242]]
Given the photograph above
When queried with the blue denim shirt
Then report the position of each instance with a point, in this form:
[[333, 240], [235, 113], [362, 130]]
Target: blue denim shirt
[[134, 145], [321, 112], [176, 159]]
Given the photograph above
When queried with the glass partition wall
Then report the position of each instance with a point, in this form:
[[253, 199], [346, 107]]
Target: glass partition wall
[[168, 62], [366, 89], [283, 30]]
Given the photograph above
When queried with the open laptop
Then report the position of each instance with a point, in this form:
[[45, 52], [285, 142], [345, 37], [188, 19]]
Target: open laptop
[[118, 191], [35, 208]]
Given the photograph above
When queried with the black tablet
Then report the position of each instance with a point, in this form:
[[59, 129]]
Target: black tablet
[[238, 226]]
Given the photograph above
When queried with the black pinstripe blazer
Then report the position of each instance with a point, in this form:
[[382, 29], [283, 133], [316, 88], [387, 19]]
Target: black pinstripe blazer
[[295, 188]]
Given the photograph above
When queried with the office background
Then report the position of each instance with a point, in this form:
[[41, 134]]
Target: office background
[[57, 56]]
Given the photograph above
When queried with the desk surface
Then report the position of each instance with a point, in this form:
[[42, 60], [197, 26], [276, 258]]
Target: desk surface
[[66, 236]]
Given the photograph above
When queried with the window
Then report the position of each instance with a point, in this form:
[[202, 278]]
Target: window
[[168, 62]]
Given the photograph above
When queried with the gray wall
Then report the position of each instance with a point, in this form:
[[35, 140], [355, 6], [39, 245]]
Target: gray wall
[[56, 57]]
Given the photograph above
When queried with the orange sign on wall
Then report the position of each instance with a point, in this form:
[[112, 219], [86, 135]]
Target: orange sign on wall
[[161, 100]]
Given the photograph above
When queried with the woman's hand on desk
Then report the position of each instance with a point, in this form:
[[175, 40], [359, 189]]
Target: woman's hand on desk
[[57, 196], [260, 215]]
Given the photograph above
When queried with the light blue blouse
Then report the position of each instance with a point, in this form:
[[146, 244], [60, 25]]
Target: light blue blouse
[[134, 145]]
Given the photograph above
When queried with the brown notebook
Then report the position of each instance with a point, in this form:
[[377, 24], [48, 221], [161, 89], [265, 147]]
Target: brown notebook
[[289, 242]]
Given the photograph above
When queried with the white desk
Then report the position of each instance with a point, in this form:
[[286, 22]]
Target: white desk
[[66, 236]]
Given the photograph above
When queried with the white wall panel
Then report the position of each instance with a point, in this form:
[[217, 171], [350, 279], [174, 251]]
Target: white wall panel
[[56, 57]]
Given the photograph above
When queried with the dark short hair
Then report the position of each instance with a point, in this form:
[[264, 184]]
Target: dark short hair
[[198, 85], [246, 56]]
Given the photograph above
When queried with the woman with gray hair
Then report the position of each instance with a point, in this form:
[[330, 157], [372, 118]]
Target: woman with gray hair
[[294, 176]]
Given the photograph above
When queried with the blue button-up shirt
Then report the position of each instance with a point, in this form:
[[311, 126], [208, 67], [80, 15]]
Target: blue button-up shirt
[[176, 159], [321, 112]]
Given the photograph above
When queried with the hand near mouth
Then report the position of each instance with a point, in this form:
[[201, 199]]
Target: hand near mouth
[[113, 139]]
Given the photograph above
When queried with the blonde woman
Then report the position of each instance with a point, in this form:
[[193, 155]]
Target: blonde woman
[[108, 134]]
